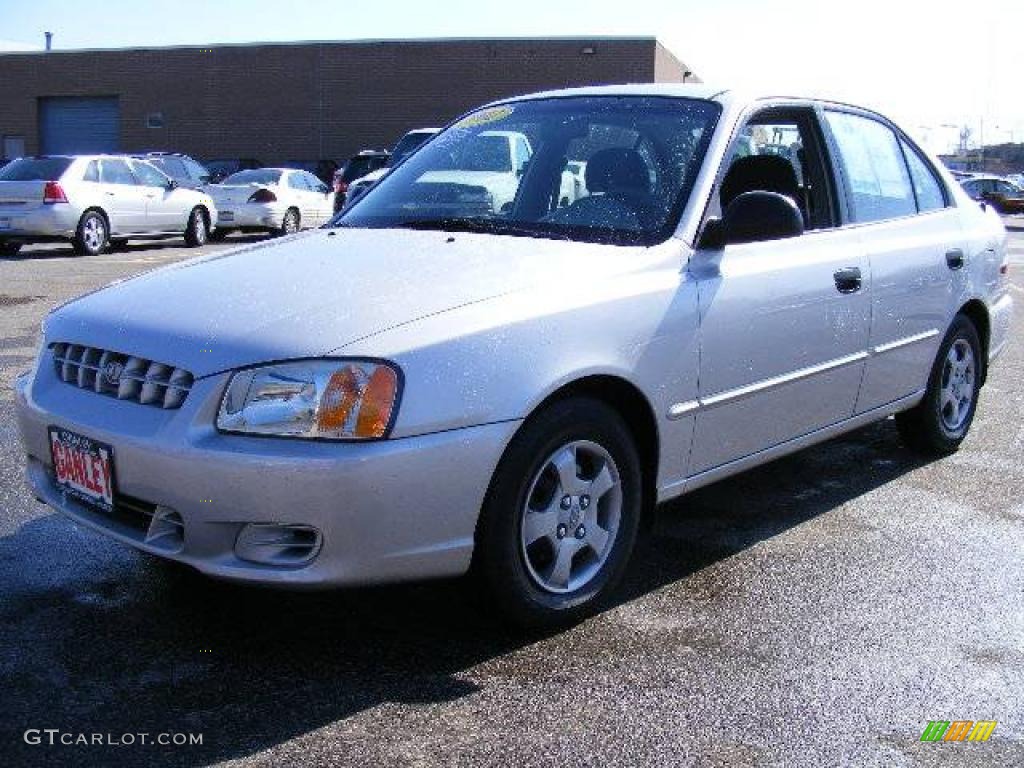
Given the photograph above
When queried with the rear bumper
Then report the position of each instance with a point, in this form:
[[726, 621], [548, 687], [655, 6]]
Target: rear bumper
[[42, 223], [250, 216], [393, 510], [1000, 317]]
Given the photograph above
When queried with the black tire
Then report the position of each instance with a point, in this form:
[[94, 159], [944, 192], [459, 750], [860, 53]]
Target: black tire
[[92, 235], [932, 427], [9, 249], [500, 560], [198, 229], [290, 224], [219, 234]]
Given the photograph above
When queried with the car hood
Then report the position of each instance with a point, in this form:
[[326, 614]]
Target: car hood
[[313, 293]]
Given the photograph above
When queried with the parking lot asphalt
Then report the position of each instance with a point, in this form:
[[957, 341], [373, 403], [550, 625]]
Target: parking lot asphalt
[[817, 611]]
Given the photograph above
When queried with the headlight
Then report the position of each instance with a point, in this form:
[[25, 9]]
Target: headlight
[[328, 399]]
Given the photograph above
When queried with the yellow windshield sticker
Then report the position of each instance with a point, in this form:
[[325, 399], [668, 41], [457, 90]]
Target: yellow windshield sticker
[[485, 116]]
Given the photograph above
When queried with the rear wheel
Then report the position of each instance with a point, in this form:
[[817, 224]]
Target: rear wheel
[[290, 223], [92, 235], [939, 423], [197, 230], [9, 249], [561, 516]]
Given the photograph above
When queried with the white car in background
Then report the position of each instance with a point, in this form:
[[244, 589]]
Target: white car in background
[[279, 200], [95, 200], [493, 161]]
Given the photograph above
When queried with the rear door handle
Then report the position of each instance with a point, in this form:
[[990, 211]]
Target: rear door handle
[[848, 279], [955, 258]]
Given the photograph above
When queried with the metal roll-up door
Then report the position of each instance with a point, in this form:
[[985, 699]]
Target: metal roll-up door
[[79, 125]]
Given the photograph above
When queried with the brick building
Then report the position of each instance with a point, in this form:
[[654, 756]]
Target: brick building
[[290, 101]]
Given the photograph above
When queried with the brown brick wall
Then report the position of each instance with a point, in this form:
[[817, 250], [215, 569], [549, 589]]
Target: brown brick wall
[[306, 101]]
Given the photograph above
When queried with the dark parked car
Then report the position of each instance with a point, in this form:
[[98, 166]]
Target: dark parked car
[[186, 171], [1001, 194], [354, 168], [224, 167]]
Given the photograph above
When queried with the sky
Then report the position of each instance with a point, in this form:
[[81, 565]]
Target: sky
[[932, 65]]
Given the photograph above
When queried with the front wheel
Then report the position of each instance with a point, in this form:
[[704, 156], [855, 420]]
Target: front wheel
[[562, 514], [939, 423], [197, 230]]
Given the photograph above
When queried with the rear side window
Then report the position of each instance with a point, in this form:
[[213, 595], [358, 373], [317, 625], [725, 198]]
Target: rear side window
[[92, 171], [148, 175], [927, 187], [35, 169], [297, 181], [875, 171], [115, 172]]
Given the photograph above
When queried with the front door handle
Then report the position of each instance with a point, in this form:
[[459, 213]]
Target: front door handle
[[848, 279], [955, 259]]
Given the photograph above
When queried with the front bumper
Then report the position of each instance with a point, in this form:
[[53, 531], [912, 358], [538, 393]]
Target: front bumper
[[251, 216], [45, 222], [391, 510]]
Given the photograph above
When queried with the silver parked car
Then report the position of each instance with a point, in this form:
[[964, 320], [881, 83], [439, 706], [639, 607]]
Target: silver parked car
[[438, 385], [95, 200]]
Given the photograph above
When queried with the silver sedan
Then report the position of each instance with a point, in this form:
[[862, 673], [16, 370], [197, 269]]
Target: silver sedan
[[95, 200], [440, 385]]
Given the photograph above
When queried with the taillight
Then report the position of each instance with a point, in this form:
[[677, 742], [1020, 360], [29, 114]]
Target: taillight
[[263, 196], [54, 193]]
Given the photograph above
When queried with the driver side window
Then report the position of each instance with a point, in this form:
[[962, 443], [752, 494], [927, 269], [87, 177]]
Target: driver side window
[[781, 150]]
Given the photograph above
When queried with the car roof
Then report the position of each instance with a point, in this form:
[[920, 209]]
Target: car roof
[[728, 97]]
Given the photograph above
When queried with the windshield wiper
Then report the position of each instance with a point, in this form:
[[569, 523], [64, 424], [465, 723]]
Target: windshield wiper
[[489, 226]]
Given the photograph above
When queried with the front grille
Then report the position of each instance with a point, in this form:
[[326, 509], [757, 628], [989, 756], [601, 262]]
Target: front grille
[[122, 376]]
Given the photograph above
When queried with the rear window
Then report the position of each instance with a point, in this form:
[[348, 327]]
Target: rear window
[[35, 169], [260, 176]]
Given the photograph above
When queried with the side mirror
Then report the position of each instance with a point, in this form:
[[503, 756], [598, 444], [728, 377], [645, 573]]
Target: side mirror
[[754, 217], [172, 184]]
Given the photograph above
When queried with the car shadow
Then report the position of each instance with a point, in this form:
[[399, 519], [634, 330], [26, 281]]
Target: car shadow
[[65, 251], [100, 639]]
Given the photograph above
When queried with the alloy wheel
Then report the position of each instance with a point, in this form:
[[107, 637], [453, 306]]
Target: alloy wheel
[[956, 393], [94, 233], [571, 517]]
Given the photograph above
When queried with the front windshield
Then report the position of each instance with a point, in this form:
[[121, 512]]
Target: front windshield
[[614, 169], [259, 176]]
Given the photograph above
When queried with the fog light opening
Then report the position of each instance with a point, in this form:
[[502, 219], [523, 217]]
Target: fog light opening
[[278, 544]]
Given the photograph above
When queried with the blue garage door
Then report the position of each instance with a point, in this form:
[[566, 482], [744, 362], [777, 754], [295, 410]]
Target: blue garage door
[[79, 125]]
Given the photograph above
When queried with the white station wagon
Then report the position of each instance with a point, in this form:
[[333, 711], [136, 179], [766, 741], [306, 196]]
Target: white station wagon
[[437, 384]]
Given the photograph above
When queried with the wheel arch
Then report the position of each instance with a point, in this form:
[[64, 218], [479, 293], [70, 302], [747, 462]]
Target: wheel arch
[[976, 311], [632, 404]]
